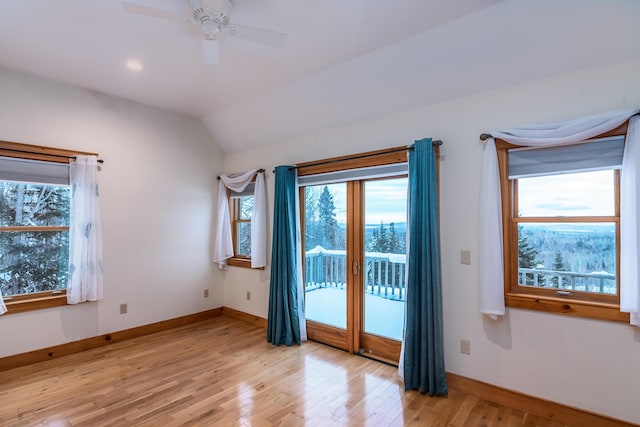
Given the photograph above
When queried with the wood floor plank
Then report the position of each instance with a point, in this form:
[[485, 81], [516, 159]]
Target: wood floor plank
[[222, 372]]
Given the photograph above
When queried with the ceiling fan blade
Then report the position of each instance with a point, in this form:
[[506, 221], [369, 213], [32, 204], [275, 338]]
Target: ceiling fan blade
[[210, 52], [139, 9], [258, 35]]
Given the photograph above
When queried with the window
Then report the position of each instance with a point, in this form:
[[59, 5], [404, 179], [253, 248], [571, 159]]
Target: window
[[561, 227], [241, 206], [34, 237], [34, 226]]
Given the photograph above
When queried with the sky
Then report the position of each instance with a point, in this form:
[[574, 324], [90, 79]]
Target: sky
[[576, 194]]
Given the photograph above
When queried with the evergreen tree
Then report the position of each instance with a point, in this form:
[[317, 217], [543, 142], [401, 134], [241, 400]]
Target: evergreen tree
[[394, 241], [383, 239], [527, 258], [558, 265], [328, 230], [373, 243], [527, 254], [380, 241]]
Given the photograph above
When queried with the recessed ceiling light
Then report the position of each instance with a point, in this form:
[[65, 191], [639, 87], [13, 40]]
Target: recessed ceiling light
[[134, 64]]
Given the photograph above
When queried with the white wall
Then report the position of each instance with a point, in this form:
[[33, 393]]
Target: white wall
[[158, 188], [588, 364]]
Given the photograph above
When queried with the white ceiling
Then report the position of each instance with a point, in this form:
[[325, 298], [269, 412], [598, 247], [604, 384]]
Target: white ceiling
[[344, 60]]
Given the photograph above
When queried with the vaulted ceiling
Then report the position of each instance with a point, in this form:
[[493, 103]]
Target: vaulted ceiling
[[344, 60]]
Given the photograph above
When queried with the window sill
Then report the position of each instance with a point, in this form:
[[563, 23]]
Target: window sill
[[36, 303], [241, 262], [567, 307]]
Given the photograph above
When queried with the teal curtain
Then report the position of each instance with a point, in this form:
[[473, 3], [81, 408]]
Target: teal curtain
[[283, 323], [423, 342]]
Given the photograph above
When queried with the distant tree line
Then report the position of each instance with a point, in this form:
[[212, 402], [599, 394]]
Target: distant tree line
[[387, 241], [582, 252]]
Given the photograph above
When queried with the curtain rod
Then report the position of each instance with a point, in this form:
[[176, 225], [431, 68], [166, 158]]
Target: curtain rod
[[259, 170], [435, 143], [62, 156]]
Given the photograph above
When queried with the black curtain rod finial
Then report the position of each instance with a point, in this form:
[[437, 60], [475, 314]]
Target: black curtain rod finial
[[485, 136]]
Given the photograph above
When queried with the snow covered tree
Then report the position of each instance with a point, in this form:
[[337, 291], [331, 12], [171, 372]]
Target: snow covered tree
[[33, 260], [327, 231]]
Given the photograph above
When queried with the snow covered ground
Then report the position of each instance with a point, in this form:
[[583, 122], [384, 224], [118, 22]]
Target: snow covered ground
[[383, 316]]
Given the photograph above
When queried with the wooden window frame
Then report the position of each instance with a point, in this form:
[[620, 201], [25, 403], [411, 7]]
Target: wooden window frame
[[234, 208], [586, 305], [48, 299]]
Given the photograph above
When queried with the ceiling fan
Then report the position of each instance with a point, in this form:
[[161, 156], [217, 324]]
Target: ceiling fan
[[214, 19]]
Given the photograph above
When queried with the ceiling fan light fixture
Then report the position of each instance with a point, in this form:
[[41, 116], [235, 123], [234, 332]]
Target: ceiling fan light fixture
[[214, 19], [212, 11]]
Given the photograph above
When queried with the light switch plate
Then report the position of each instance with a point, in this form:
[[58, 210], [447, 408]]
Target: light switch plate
[[465, 257]]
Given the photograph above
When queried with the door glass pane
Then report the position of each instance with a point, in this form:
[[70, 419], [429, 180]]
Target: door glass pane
[[385, 256], [325, 254]]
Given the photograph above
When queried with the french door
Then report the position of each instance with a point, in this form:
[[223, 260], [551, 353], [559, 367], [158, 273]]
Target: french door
[[354, 255]]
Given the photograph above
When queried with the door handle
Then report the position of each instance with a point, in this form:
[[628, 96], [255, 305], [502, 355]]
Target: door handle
[[356, 268]]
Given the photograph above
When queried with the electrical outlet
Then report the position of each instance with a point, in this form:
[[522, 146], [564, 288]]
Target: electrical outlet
[[248, 295], [465, 347], [123, 308], [465, 257], [206, 293]]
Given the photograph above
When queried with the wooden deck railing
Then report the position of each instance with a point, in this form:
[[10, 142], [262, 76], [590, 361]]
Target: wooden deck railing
[[383, 273], [601, 282]]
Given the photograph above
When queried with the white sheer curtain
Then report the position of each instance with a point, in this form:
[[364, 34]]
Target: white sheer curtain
[[223, 243], [3, 308], [85, 232], [629, 230], [547, 135], [302, 320], [490, 257]]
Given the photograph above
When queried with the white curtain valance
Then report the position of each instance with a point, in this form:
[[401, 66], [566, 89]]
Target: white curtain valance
[[569, 132], [223, 242], [548, 135]]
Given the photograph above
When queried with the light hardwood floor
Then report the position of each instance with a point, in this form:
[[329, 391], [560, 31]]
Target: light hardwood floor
[[222, 372]]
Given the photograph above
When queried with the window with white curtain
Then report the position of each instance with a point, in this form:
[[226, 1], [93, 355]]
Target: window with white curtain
[[561, 215], [34, 226]]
